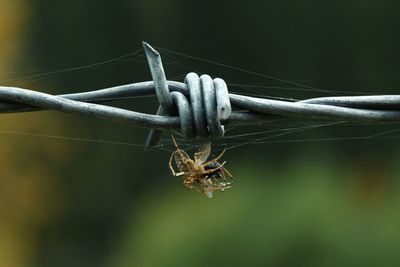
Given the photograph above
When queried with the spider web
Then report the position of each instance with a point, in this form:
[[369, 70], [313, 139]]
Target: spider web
[[283, 131]]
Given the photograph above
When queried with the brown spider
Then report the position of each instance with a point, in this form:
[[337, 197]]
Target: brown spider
[[199, 174]]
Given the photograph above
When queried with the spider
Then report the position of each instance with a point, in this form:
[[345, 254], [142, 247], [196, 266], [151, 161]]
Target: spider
[[199, 174]]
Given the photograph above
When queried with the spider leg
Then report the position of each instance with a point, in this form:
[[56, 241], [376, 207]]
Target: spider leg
[[229, 181], [215, 169], [223, 176], [227, 172], [173, 139], [216, 158], [174, 173]]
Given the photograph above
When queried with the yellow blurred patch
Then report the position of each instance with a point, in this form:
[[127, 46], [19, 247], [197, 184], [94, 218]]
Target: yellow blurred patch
[[29, 198]]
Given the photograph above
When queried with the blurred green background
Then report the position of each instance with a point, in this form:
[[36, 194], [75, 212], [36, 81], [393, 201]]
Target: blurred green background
[[65, 203]]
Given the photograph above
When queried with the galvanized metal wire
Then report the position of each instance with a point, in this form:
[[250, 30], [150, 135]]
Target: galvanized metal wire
[[199, 107]]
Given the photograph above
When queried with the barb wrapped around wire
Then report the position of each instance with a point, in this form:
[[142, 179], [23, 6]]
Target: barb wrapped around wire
[[200, 107], [201, 115]]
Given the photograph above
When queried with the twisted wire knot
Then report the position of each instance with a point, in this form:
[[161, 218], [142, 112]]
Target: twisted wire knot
[[200, 116], [208, 104]]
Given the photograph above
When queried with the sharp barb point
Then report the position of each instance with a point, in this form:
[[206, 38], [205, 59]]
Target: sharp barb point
[[148, 48]]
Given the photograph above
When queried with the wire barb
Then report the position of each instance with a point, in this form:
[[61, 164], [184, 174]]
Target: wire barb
[[199, 115]]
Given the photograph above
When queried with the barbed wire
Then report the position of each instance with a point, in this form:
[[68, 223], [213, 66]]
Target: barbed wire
[[199, 107]]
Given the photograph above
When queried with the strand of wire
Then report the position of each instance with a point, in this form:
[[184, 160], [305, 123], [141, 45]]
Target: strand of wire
[[201, 106], [379, 108]]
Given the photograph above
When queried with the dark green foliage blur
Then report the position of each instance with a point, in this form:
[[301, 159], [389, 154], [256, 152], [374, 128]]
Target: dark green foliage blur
[[293, 204]]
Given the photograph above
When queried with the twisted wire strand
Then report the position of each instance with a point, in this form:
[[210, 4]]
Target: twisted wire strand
[[206, 103], [364, 109], [14, 99], [201, 114]]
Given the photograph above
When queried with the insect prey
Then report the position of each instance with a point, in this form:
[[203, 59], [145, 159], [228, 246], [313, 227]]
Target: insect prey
[[200, 174]]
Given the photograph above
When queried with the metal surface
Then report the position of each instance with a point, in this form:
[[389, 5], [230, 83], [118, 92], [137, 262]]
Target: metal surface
[[200, 106], [200, 115]]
